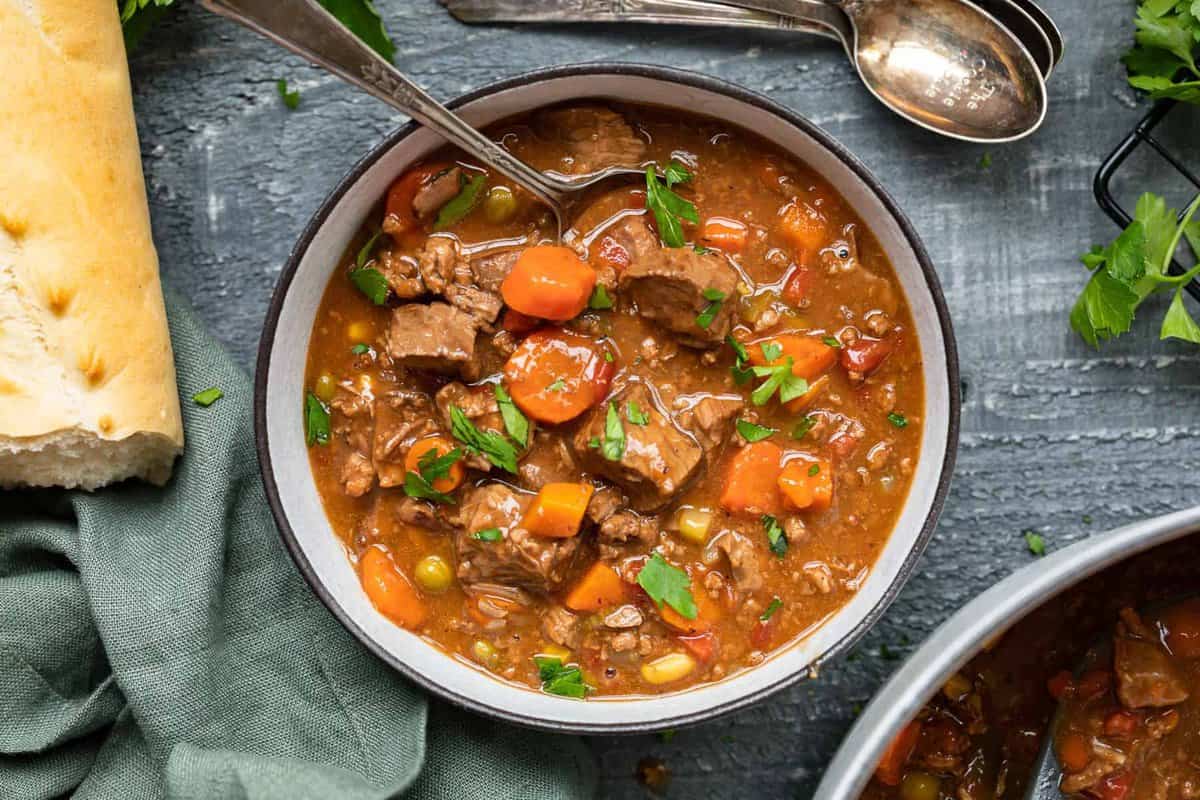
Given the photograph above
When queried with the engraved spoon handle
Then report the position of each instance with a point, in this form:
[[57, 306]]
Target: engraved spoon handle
[[668, 12], [307, 29]]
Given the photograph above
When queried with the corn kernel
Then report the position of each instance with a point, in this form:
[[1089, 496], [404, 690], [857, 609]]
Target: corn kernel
[[359, 331], [556, 651], [668, 668], [485, 653]]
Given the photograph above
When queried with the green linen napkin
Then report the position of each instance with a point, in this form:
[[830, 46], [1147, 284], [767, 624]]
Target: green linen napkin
[[159, 643]]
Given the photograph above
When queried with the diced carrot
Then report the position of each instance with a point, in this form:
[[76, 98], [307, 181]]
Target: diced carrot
[[514, 321], [1061, 684], [556, 375], [1074, 752], [550, 282], [811, 356], [725, 234], [400, 195], [751, 483], [799, 284], [703, 646], [389, 590], [891, 765], [803, 226], [865, 355], [611, 253], [1120, 724], [1182, 623], [558, 510], [807, 485], [601, 586], [816, 390], [441, 445], [708, 614]]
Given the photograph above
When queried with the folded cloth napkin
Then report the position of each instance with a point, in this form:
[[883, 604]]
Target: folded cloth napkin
[[159, 643]]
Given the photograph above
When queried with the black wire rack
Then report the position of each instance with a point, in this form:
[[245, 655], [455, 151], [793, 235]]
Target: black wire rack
[[1143, 135]]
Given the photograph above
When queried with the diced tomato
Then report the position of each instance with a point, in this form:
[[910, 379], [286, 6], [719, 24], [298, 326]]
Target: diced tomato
[[799, 284], [1121, 724], [400, 195], [891, 765], [1061, 684], [611, 253], [865, 355], [763, 632], [1114, 787], [516, 322], [1093, 683], [703, 646]]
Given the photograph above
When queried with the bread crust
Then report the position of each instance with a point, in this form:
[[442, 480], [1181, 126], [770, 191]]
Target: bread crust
[[85, 355]]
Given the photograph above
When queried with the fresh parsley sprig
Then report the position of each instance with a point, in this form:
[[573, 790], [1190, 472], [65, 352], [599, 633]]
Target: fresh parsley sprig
[[1133, 267], [1163, 63], [493, 446], [560, 679], [668, 208], [667, 584], [430, 468]]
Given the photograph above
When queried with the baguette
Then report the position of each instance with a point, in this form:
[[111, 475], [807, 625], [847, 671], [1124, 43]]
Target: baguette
[[87, 378]]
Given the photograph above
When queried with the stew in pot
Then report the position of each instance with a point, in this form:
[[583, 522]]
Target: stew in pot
[[628, 463]]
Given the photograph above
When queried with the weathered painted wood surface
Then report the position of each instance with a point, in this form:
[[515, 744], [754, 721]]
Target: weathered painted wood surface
[[1056, 437]]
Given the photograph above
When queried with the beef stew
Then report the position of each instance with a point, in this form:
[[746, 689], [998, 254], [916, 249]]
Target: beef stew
[[637, 460]]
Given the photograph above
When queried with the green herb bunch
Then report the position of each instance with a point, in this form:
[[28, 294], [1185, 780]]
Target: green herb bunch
[[1163, 63]]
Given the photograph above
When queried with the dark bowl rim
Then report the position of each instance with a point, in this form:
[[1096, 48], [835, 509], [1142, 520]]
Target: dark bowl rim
[[685, 78]]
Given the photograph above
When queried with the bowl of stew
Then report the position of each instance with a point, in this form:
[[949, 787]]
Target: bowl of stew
[[1103, 635], [633, 478]]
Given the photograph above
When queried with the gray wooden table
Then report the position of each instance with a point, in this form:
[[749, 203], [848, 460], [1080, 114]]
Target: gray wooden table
[[1057, 438]]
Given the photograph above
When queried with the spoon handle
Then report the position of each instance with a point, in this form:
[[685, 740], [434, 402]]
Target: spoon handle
[[305, 28]]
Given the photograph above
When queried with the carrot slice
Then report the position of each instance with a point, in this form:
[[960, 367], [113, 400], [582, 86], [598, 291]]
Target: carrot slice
[[725, 234], [751, 483], [556, 375], [402, 191], [807, 485], [891, 766], [1074, 752], [601, 586], [803, 226], [389, 590], [442, 446], [558, 510], [708, 614], [550, 282]]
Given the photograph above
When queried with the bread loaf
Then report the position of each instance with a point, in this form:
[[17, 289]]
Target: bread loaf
[[87, 380]]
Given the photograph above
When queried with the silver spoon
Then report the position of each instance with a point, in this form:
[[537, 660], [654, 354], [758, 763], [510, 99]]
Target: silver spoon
[[945, 65], [1027, 29], [305, 28]]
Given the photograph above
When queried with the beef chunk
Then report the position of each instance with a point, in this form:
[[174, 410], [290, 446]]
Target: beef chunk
[[435, 193], [491, 270], [418, 513], [433, 336], [353, 426], [1146, 675], [596, 138], [711, 419], [605, 502], [561, 627], [625, 529], [668, 284], [743, 558], [440, 268], [518, 559], [549, 461], [659, 459], [401, 417]]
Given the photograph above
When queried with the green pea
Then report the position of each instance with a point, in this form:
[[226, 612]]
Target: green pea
[[919, 786], [500, 205], [434, 574], [325, 387]]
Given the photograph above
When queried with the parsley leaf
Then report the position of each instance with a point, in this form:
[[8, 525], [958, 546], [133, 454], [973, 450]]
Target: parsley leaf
[[771, 351], [667, 584], [898, 420], [833, 342], [557, 386], [1178, 323], [1164, 60], [370, 282], [676, 173], [430, 468], [739, 349], [514, 421], [740, 371], [364, 22], [667, 207], [493, 446], [779, 377], [600, 299], [316, 421], [461, 204], [613, 446], [291, 99], [364, 252], [803, 427], [814, 470], [774, 606], [360, 348], [1036, 544], [752, 432], [558, 679], [488, 535], [209, 396], [634, 413], [415, 485], [709, 313], [713, 295], [776, 538]]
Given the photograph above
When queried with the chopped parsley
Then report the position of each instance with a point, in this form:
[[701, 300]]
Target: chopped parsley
[[898, 420], [360, 348], [609, 357], [1036, 544], [701, 250], [715, 298], [752, 432], [291, 99], [739, 349], [814, 470], [316, 421], [462, 203], [558, 386], [364, 252], [667, 584], [488, 535], [771, 351], [370, 282], [779, 377], [493, 446], [594, 442], [713, 295], [558, 679], [985, 160], [803, 427], [514, 421], [207, 397], [776, 538], [600, 299], [771, 609], [634, 413], [431, 468], [833, 342], [667, 207], [740, 369], [613, 446]]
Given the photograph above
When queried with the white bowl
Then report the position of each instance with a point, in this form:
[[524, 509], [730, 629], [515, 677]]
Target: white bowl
[[318, 552]]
